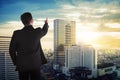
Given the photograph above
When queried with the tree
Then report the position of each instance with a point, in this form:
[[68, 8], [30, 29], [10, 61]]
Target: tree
[[60, 47]]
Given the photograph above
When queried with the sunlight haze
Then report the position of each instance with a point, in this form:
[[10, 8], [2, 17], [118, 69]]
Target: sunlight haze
[[97, 21]]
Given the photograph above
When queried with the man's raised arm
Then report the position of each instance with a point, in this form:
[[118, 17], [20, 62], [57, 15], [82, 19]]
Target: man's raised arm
[[45, 28]]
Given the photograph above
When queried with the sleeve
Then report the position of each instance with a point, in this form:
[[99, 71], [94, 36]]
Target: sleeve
[[43, 31], [12, 49]]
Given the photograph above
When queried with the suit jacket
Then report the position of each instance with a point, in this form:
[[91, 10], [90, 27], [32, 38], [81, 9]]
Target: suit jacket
[[25, 47]]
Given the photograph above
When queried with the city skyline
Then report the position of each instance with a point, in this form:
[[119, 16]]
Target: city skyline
[[97, 21]]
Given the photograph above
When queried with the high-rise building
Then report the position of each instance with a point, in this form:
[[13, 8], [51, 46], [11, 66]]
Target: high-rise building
[[7, 69], [82, 56], [64, 37]]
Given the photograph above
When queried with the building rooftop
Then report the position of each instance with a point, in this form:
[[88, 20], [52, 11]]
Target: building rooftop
[[104, 65]]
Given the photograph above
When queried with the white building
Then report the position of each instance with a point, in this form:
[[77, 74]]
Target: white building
[[73, 57], [84, 56], [7, 69], [64, 37], [90, 59]]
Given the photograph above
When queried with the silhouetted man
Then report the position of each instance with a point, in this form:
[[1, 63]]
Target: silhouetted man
[[25, 48]]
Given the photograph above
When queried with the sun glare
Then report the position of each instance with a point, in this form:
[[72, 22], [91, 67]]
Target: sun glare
[[87, 37]]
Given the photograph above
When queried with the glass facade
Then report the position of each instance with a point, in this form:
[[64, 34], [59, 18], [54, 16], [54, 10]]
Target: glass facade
[[64, 37]]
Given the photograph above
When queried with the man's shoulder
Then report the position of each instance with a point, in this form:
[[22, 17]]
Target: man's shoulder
[[17, 31]]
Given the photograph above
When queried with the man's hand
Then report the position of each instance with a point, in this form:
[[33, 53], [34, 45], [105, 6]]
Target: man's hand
[[46, 21]]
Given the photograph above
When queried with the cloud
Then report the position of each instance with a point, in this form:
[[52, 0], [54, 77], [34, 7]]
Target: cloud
[[113, 25], [91, 10], [85, 10], [11, 26], [108, 27], [112, 17], [108, 41]]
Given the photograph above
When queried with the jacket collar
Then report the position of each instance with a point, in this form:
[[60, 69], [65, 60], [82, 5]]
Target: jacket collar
[[30, 27]]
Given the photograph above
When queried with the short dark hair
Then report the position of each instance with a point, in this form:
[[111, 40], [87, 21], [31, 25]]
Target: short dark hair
[[26, 17]]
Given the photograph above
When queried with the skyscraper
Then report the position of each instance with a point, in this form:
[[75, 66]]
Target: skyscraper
[[64, 37], [7, 69]]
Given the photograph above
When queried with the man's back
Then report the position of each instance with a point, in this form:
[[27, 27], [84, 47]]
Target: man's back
[[28, 47], [28, 40]]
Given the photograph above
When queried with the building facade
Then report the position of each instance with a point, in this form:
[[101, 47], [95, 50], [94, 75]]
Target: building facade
[[7, 69], [82, 56], [64, 37], [2, 66]]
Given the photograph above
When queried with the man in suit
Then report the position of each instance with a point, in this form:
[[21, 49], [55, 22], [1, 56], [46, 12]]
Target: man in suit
[[25, 48]]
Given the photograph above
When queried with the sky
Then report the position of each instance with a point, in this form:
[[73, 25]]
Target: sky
[[97, 21]]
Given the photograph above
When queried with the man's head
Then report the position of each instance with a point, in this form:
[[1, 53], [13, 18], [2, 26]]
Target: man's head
[[26, 18]]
